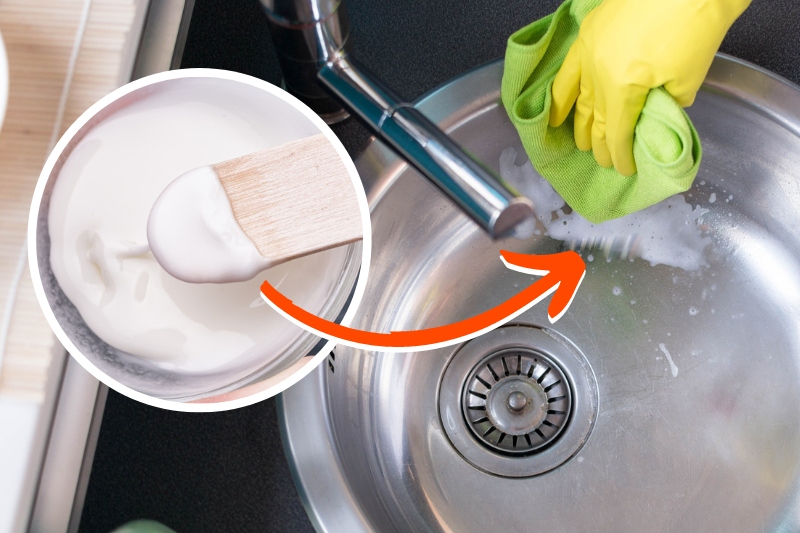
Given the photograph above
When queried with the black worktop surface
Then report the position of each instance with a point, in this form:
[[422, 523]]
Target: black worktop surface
[[226, 471]]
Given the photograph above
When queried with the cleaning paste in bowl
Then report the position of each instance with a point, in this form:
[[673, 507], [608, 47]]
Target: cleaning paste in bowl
[[100, 256]]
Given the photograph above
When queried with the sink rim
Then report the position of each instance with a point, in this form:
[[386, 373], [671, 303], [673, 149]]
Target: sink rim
[[303, 408]]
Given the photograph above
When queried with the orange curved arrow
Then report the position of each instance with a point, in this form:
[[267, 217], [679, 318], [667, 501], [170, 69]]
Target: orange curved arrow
[[562, 273]]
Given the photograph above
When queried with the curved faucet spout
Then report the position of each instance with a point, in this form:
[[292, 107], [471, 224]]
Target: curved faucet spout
[[311, 39]]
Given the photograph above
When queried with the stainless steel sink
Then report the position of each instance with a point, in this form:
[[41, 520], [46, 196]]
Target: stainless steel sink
[[672, 420]]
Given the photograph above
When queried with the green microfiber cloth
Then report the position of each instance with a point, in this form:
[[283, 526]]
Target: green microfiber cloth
[[666, 146]]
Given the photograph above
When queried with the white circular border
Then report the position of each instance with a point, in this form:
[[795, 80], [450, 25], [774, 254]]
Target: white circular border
[[4, 80], [45, 176]]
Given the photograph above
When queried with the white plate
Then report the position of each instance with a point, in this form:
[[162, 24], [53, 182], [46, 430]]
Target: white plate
[[3, 80]]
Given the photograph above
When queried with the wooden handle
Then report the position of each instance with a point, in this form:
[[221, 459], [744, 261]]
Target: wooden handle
[[293, 199]]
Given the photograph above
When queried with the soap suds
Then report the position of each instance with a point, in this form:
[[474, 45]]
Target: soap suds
[[672, 366], [665, 233], [530, 184]]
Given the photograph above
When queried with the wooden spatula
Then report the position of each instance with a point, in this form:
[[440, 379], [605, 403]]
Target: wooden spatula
[[291, 200]]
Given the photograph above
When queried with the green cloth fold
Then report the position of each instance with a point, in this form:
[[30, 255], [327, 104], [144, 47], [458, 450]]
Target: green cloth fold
[[666, 146], [143, 526]]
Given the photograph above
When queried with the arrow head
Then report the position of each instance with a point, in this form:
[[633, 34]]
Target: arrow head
[[564, 270]]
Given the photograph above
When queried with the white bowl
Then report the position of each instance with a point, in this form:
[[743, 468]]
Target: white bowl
[[3, 80], [254, 101]]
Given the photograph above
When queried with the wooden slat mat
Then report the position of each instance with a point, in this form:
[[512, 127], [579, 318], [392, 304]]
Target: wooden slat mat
[[63, 56]]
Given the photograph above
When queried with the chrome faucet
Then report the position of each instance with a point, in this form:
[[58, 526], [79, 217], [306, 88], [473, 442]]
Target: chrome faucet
[[311, 38]]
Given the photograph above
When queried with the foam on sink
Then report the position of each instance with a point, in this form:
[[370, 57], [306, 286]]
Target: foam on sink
[[668, 232], [531, 185]]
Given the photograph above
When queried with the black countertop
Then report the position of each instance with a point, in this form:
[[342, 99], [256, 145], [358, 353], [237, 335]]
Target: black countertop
[[226, 471]]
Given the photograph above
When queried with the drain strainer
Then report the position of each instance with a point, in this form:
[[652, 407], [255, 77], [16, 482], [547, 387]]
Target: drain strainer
[[518, 401]]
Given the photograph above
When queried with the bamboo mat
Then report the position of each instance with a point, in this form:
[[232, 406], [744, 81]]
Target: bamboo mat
[[63, 56]]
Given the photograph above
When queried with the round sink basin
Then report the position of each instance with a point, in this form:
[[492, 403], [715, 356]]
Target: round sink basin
[[664, 400]]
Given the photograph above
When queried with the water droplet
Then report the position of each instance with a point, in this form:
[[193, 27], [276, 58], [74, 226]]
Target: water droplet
[[693, 311], [616, 291]]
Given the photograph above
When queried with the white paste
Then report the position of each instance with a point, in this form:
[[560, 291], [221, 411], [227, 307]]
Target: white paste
[[98, 217], [194, 235]]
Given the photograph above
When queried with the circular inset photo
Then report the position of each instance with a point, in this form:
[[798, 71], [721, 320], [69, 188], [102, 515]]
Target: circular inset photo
[[160, 213]]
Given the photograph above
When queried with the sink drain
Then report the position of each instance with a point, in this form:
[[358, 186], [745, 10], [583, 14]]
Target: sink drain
[[518, 401]]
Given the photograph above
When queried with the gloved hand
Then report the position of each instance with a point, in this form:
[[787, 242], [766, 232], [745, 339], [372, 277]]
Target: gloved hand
[[624, 49]]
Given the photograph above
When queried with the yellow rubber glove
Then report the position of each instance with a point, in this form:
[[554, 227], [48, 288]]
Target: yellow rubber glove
[[625, 48]]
